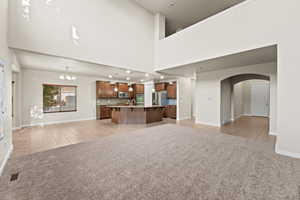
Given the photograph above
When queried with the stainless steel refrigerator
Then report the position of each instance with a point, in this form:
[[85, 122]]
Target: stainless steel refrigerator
[[160, 98]]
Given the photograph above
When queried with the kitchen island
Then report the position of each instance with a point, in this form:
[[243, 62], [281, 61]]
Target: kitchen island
[[136, 114]]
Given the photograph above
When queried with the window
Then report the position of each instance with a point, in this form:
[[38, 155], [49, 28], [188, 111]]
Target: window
[[59, 98]]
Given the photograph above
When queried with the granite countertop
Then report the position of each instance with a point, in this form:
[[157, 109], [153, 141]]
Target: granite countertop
[[135, 106]]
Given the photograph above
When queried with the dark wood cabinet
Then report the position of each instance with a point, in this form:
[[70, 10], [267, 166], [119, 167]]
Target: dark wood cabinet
[[112, 92], [100, 89], [172, 91], [131, 95], [171, 111], [103, 112], [137, 89], [165, 114], [160, 86], [122, 87], [140, 89], [105, 90]]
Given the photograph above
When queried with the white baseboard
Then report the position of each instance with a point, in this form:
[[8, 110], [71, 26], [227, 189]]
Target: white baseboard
[[235, 118], [184, 118], [16, 128], [7, 156], [207, 123], [287, 153], [272, 133], [57, 122], [247, 115], [227, 122]]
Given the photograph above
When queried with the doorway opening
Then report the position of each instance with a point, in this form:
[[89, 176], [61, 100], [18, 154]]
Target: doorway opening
[[245, 105]]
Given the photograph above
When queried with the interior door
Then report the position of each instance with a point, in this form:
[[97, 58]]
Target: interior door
[[260, 98]]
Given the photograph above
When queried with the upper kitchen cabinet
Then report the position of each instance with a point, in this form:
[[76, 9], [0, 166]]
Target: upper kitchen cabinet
[[172, 91], [138, 88], [100, 89], [122, 87], [105, 90], [160, 87], [112, 91]]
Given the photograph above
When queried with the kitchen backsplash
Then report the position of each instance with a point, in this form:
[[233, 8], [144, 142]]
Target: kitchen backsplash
[[172, 101], [111, 101]]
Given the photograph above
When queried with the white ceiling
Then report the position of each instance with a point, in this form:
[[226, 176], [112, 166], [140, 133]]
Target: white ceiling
[[252, 57], [30, 60], [184, 13]]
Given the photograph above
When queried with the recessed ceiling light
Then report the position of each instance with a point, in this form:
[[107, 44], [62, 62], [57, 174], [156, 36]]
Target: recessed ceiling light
[[128, 78], [147, 75], [128, 71], [110, 76], [142, 80], [162, 77]]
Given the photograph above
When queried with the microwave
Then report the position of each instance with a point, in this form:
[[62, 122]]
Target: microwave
[[123, 95]]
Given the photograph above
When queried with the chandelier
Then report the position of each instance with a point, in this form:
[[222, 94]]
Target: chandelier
[[67, 76]]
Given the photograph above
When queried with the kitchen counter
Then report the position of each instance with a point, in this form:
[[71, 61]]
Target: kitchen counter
[[136, 114]]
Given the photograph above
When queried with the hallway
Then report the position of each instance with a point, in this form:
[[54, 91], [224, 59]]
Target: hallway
[[249, 127]]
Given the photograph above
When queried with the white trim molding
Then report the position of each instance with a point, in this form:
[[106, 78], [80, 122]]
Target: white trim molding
[[287, 153], [17, 128], [184, 118], [272, 133], [7, 156], [207, 123], [57, 122]]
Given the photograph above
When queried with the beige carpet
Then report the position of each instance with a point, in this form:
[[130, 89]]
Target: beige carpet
[[167, 162]]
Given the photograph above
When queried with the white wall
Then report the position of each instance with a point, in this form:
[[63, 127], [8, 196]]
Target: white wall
[[238, 100], [17, 101], [226, 93], [184, 98], [193, 87], [246, 98], [116, 33], [148, 87], [249, 25], [208, 92], [5, 57], [32, 96]]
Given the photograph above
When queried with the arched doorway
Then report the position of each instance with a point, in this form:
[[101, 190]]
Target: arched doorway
[[245, 105]]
